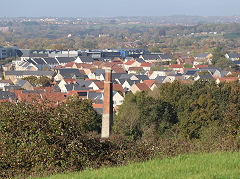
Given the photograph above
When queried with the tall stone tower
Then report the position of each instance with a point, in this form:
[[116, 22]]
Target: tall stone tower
[[107, 117]]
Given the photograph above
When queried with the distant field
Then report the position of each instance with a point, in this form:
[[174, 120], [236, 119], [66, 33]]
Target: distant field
[[217, 165]]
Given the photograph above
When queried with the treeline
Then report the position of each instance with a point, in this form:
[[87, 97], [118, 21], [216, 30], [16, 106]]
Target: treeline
[[204, 111], [160, 37]]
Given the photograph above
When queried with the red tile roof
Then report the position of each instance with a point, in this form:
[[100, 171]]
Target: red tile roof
[[135, 68], [69, 65], [129, 62], [175, 66], [149, 83], [118, 87], [228, 79], [100, 84], [201, 66], [146, 64], [142, 86]]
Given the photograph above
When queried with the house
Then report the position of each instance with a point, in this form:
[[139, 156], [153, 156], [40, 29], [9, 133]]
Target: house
[[96, 97], [205, 55], [189, 73], [84, 59], [203, 58], [24, 84], [118, 87], [203, 77], [127, 83], [14, 75], [117, 99], [27, 65], [97, 85], [151, 58], [150, 83], [227, 80], [136, 87], [161, 79], [68, 73], [98, 74], [155, 74], [146, 66], [64, 60], [135, 70], [51, 62], [183, 61], [173, 77]]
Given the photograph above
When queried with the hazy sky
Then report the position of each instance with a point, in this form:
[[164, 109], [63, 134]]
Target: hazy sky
[[109, 8]]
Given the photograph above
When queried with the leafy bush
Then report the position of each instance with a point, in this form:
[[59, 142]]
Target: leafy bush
[[36, 137]]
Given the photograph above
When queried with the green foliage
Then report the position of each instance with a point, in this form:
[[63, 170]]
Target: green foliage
[[41, 81], [219, 60], [186, 110], [187, 65], [38, 137], [144, 113]]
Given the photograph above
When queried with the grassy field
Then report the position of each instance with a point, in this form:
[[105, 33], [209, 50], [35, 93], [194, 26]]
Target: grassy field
[[217, 165]]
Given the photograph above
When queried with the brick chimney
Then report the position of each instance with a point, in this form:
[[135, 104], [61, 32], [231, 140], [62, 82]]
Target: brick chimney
[[107, 117]]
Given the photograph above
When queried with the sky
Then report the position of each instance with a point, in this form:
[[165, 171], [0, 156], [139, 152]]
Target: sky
[[113, 8]]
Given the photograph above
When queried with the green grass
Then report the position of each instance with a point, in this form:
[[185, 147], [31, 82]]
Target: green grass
[[217, 165]]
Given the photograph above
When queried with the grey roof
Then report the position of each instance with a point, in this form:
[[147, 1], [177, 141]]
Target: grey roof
[[126, 76], [140, 60], [39, 61], [86, 59], [51, 61], [142, 77], [31, 61], [70, 73], [207, 77], [99, 72], [224, 73], [30, 73], [21, 82], [160, 79], [234, 55], [11, 87], [72, 87], [190, 72], [83, 83], [65, 59], [150, 57], [116, 75], [131, 82], [5, 95], [94, 95], [165, 56], [176, 74]]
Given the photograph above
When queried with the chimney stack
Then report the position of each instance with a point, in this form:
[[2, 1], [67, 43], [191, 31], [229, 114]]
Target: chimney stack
[[107, 117]]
